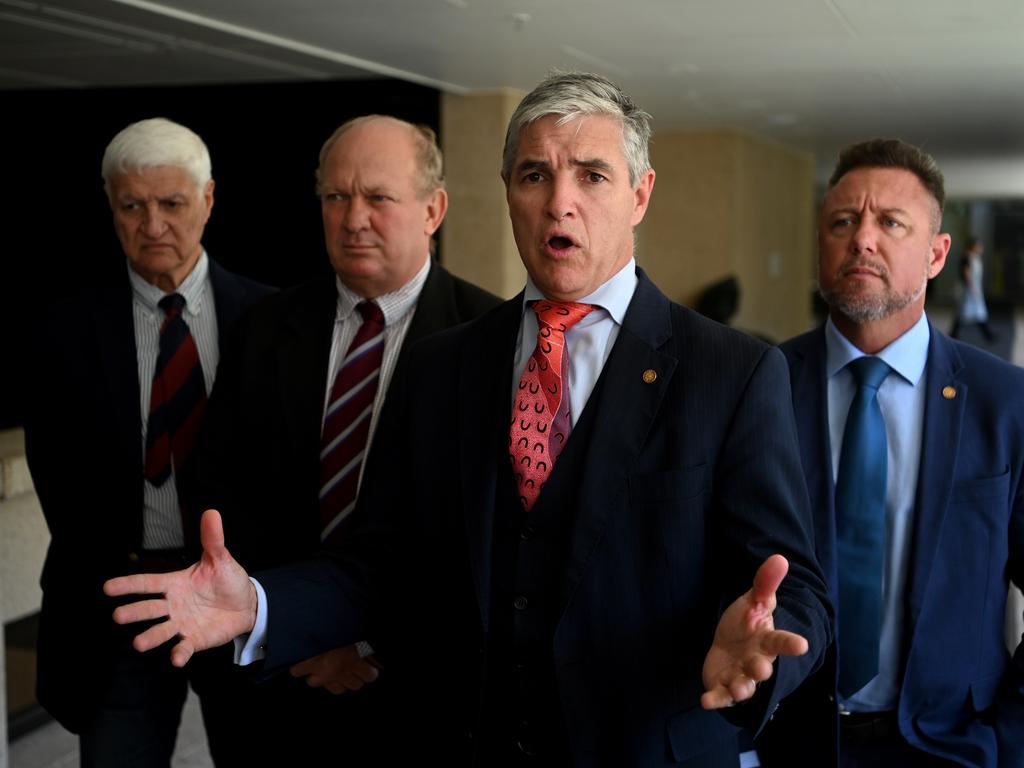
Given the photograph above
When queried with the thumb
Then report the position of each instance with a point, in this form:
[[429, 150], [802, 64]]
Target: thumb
[[768, 578], [211, 534]]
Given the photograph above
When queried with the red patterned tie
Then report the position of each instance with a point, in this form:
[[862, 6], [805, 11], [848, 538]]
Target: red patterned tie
[[347, 421], [540, 416]]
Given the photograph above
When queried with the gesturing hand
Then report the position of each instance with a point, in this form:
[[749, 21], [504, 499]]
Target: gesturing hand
[[746, 642], [206, 605]]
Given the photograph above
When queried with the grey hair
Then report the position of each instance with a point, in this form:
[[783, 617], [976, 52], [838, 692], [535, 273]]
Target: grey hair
[[429, 161], [571, 95], [154, 142]]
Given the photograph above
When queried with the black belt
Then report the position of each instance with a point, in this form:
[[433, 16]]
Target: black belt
[[862, 728]]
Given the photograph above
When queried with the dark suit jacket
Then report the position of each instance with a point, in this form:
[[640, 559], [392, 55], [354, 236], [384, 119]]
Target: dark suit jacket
[[83, 439], [962, 696], [259, 451], [688, 484]]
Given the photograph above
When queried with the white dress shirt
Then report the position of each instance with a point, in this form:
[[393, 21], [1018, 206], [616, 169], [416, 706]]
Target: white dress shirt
[[161, 516]]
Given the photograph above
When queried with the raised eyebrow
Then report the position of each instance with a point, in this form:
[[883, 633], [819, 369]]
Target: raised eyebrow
[[894, 211], [594, 163], [532, 165]]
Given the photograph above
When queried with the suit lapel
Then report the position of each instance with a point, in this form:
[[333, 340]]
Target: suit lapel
[[943, 418], [228, 296], [434, 309], [484, 406], [615, 442], [303, 356], [810, 406], [115, 337]]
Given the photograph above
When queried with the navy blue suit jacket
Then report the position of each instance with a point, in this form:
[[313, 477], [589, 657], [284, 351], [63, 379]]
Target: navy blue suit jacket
[[962, 696], [688, 483], [83, 439]]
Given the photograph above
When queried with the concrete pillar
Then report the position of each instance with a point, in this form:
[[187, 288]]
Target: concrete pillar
[[476, 239]]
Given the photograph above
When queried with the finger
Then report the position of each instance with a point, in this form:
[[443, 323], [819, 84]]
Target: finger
[[758, 668], [779, 642], [336, 688], [181, 653], [138, 584], [716, 698], [314, 681], [742, 688], [211, 533], [143, 610], [768, 578], [301, 669], [351, 682], [367, 673], [154, 637]]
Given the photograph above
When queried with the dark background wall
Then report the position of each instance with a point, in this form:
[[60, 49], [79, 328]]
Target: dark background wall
[[264, 140]]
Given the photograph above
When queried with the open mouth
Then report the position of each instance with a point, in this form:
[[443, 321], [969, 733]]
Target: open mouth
[[560, 243]]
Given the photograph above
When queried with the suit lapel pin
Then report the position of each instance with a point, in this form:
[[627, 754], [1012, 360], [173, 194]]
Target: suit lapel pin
[[949, 392], [650, 376]]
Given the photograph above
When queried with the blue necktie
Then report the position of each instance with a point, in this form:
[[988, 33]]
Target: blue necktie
[[860, 528]]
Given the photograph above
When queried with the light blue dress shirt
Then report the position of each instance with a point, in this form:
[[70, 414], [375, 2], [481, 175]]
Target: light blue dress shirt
[[901, 400], [589, 342]]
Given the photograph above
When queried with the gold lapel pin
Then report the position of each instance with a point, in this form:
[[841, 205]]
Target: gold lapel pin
[[650, 376], [949, 392]]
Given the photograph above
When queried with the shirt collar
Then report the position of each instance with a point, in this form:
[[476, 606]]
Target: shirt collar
[[191, 288], [906, 355], [613, 295], [394, 305]]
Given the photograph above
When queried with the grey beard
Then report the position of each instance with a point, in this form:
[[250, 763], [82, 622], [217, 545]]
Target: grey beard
[[871, 308]]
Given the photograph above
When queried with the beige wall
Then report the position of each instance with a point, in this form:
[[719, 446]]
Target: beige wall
[[727, 203], [476, 239]]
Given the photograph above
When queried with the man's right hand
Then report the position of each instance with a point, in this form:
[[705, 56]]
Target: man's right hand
[[206, 605]]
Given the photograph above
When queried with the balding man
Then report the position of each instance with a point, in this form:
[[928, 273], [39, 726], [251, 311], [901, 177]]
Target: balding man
[[302, 384]]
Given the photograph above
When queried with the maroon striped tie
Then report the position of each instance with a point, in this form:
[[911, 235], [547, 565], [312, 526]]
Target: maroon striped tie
[[347, 421], [178, 396]]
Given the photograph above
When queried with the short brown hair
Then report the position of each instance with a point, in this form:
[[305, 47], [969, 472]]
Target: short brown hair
[[428, 153], [894, 153]]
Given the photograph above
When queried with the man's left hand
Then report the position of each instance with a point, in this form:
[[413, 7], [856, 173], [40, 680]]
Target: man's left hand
[[746, 642]]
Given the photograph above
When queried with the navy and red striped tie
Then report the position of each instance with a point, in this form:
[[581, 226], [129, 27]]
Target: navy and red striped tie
[[178, 397], [347, 421]]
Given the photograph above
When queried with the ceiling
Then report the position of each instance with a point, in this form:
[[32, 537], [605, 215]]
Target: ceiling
[[816, 74]]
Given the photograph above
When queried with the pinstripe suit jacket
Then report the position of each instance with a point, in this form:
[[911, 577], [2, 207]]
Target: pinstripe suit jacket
[[688, 483]]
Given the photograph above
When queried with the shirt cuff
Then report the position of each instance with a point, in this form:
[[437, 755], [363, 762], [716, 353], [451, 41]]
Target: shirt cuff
[[252, 647]]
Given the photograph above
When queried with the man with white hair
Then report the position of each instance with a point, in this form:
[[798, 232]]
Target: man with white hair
[[118, 388]]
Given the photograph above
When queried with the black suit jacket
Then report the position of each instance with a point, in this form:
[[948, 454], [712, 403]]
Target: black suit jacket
[[962, 695], [688, 483], [83, 439], [259, 449]]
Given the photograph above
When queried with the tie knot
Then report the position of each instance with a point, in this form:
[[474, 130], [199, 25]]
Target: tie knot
[[560, 315], [869, 371], [371, 312], [172, 304]]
